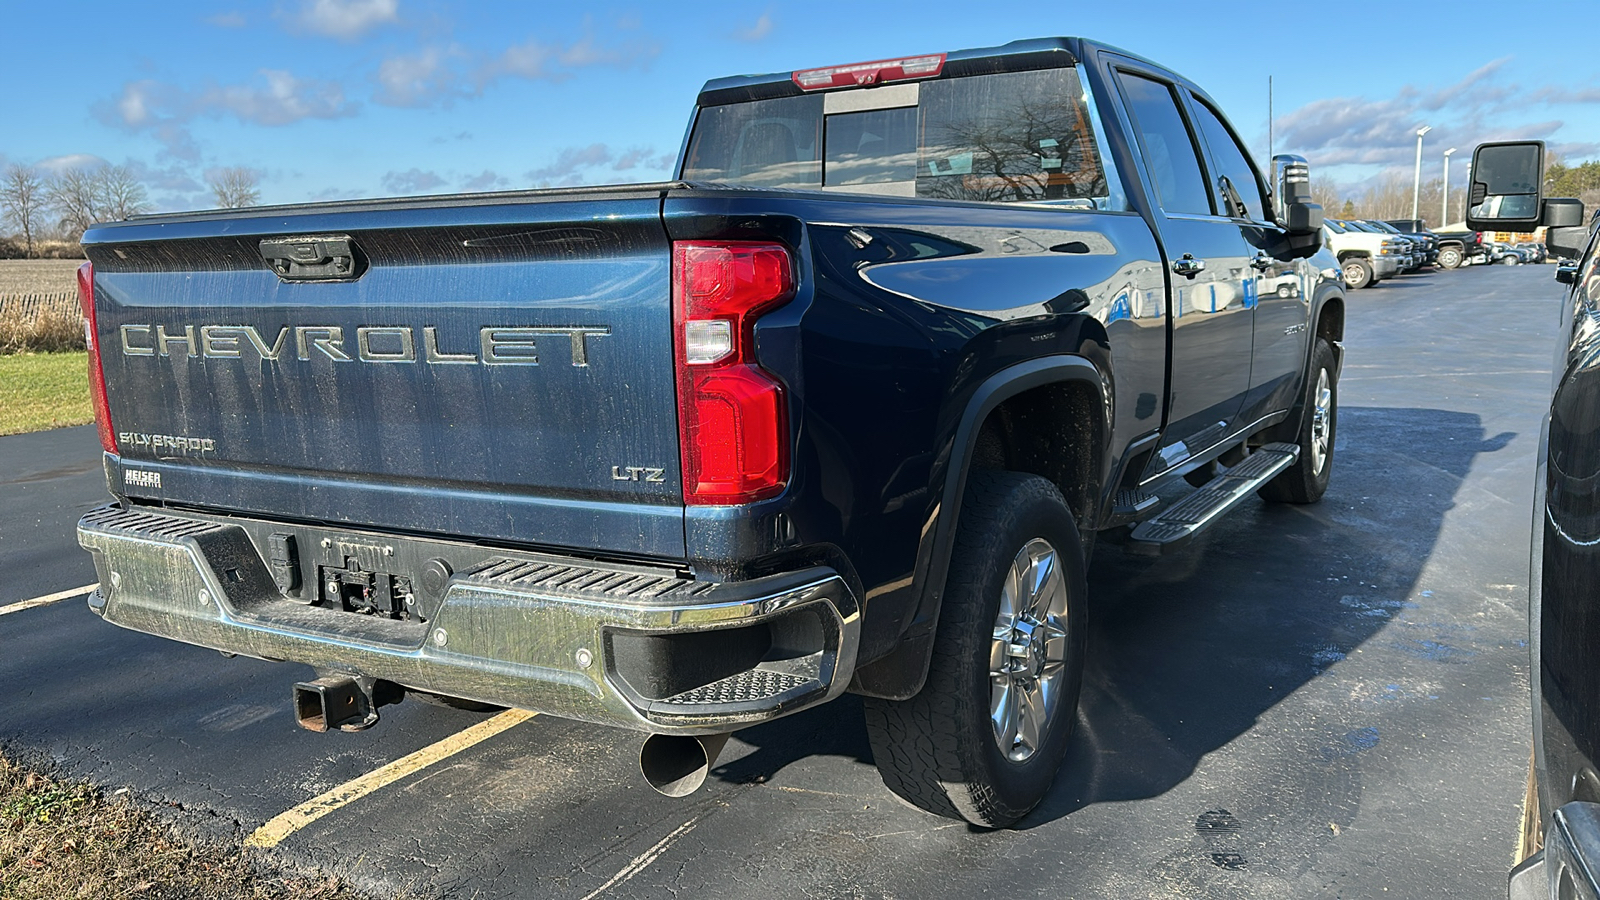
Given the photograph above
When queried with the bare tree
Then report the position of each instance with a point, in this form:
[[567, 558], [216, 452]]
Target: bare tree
[[22, 202], [121, 194], [74, 195], [1325, 192], [236, 187]]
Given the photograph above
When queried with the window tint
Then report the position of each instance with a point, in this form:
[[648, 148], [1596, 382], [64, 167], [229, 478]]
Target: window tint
[[1011, 137], [1232, 162], [1003, 137], [1169, 152], [766, 143], [870, 147]]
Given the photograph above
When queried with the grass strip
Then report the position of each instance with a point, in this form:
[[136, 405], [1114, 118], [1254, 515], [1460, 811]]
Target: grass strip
[[61, 840], [43, 390]]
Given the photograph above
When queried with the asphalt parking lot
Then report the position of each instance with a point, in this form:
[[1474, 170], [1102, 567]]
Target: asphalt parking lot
[[1325, 701]]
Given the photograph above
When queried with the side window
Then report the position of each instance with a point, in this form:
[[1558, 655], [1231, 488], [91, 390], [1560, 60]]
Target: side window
[[1012, 137], [1169, 151], [1231, 160]]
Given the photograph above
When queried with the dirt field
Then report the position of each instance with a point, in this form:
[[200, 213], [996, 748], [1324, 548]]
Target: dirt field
[[38, 276]]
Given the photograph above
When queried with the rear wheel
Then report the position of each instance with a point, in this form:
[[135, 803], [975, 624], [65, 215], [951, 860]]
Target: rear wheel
[[1358, 273], [983, 739], [1449, 257], [1307, 479]]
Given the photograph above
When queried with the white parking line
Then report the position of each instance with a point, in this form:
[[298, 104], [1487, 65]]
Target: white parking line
[[46, 600]]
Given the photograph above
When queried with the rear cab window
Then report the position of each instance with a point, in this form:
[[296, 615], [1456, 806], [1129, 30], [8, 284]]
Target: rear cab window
[[1010, 137]]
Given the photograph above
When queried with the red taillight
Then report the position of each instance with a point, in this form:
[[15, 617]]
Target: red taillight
[[733, 423], [870, 72], [97, 375]]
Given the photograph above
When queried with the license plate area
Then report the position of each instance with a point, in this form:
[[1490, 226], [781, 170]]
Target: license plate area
[[357, 589]]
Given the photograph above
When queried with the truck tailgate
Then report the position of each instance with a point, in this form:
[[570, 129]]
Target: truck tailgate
[[502, 368]]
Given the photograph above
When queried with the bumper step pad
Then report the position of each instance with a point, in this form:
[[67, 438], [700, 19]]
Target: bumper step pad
[[754, 686], [1179, 523]]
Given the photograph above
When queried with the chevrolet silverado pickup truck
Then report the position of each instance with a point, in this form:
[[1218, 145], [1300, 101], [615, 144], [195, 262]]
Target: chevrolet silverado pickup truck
[[843, 407], [1365, 257]]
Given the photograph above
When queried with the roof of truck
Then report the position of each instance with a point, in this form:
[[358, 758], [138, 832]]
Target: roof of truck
[[1033, 53]]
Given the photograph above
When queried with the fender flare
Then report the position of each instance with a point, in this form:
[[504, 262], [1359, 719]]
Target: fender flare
[[901, 673], [1289, 428]]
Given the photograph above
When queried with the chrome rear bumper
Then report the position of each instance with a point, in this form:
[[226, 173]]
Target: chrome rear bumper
[[636, 647]]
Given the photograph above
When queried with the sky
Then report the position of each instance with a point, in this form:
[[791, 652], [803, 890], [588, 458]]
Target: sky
[[333, 99]]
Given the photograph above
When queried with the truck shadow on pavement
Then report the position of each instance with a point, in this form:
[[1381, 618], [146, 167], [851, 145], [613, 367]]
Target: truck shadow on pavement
[[1189, 651]]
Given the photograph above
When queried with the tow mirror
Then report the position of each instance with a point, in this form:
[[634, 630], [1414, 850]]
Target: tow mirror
[[1300, 218], [1567, 243], [1506, 191]]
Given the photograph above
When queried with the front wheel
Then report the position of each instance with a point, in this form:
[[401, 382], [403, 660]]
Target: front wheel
[[983, 739], [1358, 273], [1307, 479], [1449, 258]]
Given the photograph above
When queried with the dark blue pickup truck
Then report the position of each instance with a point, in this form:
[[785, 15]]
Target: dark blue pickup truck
[[842, 408]]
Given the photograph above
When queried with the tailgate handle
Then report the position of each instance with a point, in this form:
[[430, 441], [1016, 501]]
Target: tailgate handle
[[321, 257]]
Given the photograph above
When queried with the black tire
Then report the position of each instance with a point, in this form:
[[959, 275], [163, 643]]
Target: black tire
[[939, 750], [1449, 257], [1358, 273], [454, 702], [1307, 479]]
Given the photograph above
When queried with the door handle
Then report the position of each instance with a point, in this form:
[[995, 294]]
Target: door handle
[[1188, 267], [1261, 261]]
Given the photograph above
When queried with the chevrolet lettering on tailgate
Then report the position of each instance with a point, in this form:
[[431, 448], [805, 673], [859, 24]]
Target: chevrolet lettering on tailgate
[[497, 344]]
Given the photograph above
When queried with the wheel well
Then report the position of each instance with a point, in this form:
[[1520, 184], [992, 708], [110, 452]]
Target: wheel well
[[1330, 321], [1055, 431], [1359, 254]]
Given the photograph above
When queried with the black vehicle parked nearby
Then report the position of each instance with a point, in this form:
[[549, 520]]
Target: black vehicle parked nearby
[[844, 407], [1459, 248], [1427, 242], [1564, 571]]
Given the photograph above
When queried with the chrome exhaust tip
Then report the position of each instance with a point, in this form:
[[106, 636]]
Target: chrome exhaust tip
[[677, 766]]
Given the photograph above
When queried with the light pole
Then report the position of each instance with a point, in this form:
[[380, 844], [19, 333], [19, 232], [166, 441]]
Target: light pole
[[1444, 211], [1416, 189]]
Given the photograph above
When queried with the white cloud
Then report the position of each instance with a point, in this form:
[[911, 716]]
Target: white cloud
[[55, 165], [412, 181], [442, 74], [1376, 133], [277, 98], [284, 99], [568, 165], [344, 19], [487, 181], [761, 28], [421, 78]]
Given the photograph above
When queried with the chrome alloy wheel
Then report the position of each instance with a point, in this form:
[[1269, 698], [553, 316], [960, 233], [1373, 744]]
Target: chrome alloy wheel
[[1027, 656], [1321, 422]]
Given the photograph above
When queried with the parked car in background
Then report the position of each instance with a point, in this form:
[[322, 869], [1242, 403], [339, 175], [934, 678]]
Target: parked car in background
[[1561, 827], [1364, 258], [1426, 244], [1460, 247], [1408, 253]]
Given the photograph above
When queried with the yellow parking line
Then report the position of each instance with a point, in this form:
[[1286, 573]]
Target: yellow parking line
[[46, 600], [281, 826]]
